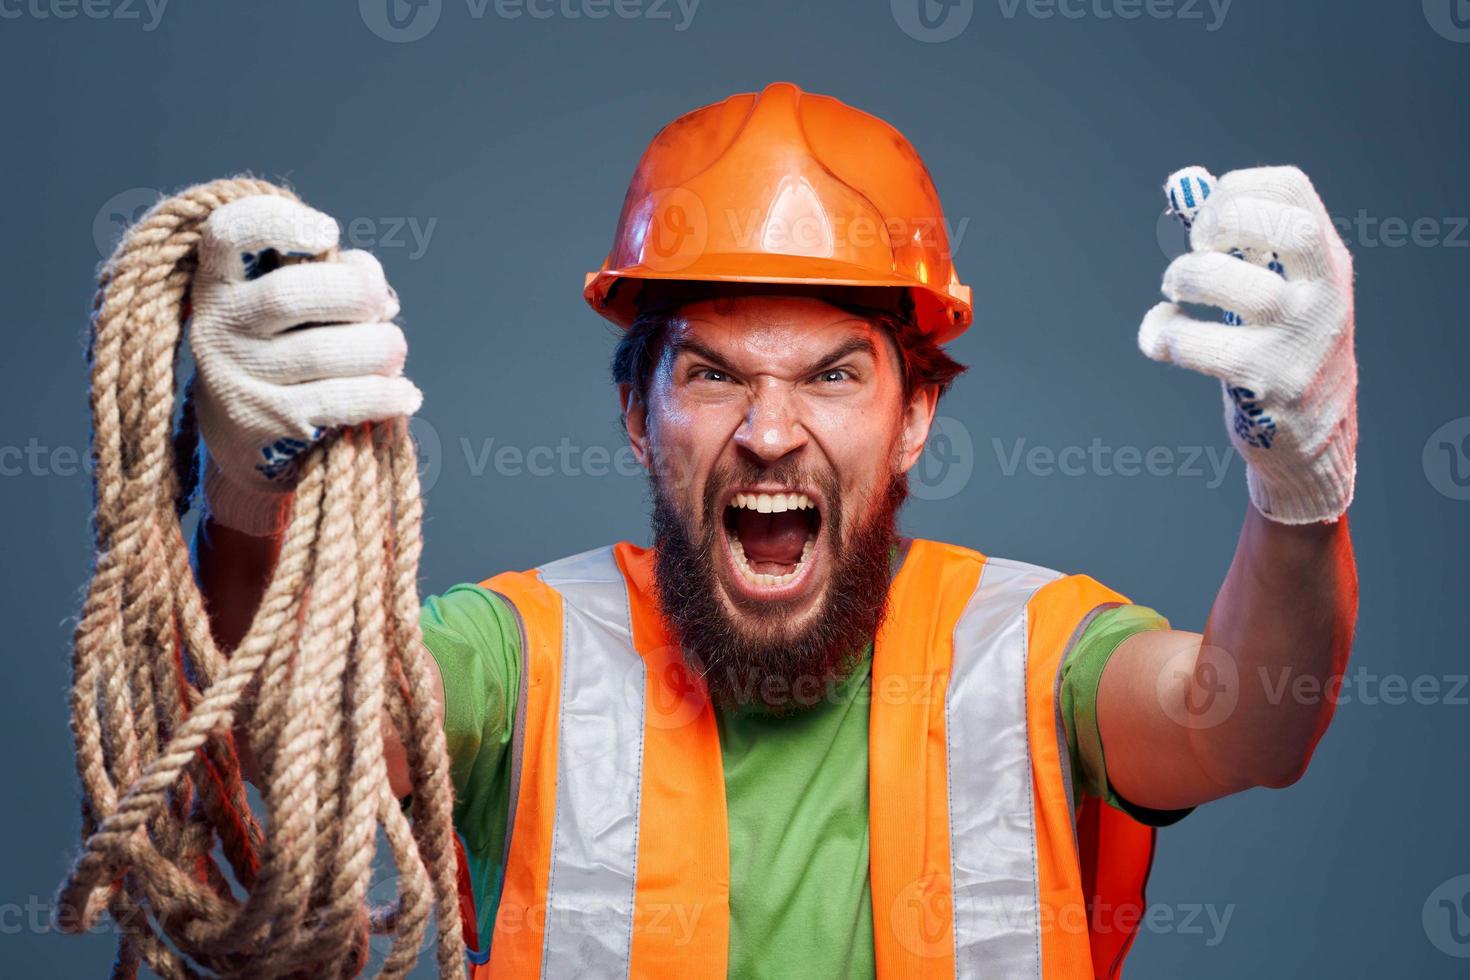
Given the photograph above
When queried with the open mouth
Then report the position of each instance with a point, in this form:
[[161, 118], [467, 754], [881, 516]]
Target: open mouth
[[773, 537]]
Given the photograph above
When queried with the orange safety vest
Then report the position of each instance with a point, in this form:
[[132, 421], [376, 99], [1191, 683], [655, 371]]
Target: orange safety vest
[[618, 855]]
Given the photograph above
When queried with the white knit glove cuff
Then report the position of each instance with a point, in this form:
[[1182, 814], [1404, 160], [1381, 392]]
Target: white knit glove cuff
[[1306, 491], [254, 510]]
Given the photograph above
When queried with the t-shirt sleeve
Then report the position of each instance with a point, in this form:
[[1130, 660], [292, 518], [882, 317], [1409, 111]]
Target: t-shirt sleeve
[[1081, 674], [474, 637]]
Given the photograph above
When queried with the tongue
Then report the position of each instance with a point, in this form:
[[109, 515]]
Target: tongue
[[771, 537]]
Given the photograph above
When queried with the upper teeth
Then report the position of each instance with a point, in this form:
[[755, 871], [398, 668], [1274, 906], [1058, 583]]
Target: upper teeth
[[773, 503]]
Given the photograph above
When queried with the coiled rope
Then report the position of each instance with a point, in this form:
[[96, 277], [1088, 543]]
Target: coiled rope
[[332, 645]]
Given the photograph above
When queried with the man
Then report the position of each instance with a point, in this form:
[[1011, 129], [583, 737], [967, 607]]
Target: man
[[785, 741]]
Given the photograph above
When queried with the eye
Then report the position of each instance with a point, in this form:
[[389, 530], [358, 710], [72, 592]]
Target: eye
[[835, 376], [710, 374]]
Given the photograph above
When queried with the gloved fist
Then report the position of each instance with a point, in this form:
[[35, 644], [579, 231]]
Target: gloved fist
[[286, 349], [1265, 249]]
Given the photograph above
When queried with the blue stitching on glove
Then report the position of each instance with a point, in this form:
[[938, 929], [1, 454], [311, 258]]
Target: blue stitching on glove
[[279, 456]]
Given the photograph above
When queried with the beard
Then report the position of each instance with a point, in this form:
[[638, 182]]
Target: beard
[[756, 655]]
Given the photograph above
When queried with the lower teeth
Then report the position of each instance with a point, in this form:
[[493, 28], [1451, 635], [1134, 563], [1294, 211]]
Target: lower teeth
[[762, 578]]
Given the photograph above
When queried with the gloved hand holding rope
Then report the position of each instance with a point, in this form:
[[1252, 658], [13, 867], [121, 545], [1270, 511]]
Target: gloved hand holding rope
[[332, 646]]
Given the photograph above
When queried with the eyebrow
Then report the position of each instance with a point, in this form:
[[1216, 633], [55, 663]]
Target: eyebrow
[[854, 345]]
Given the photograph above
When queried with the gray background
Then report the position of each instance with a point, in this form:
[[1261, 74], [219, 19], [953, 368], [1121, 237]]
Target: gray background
[[507, 142]]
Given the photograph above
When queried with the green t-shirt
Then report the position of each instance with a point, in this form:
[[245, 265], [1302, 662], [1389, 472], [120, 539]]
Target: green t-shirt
[[796, 787]]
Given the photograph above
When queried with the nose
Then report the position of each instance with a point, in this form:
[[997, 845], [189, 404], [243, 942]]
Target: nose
[[772, 428]]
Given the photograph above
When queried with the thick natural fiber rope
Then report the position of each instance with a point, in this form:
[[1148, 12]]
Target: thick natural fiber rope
[[332, 645]]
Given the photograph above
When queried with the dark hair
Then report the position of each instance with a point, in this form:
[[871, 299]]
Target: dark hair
[[922, 362]]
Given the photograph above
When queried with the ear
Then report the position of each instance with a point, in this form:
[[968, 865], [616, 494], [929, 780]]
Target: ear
[[635, 422], [918, 416]]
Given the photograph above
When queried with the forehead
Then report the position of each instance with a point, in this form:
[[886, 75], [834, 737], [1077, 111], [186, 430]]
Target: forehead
[[771, 332]]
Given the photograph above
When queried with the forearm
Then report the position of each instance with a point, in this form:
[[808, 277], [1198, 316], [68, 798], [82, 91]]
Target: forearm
[[1284, 620], [233, 570]]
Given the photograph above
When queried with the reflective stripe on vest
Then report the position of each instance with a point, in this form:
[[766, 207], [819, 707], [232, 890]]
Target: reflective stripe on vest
[[594, 850], [619, 864], [992, 823]]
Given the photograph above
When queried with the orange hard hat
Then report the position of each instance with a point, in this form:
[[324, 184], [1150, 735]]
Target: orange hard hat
[[783, 187]]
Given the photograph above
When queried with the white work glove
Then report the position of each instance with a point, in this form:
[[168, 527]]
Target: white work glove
[[1265, 249], [268, 385]]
